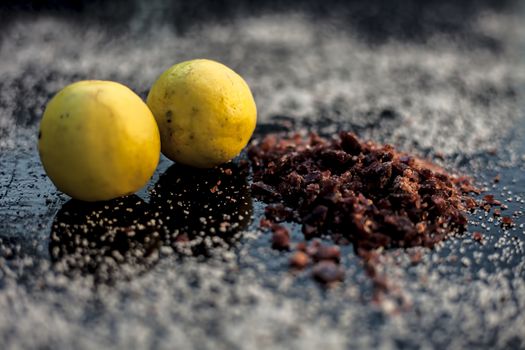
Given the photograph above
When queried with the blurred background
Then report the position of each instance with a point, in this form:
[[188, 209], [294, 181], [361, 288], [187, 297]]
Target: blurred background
[[345, 61], [378, 20]]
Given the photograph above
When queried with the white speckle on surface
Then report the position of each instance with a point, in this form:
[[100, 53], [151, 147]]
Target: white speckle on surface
[[460, 101]]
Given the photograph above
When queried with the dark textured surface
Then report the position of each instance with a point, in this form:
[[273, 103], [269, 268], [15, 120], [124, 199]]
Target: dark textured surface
[[447, 85]]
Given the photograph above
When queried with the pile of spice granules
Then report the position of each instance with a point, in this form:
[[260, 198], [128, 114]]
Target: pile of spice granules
[[357, 192]]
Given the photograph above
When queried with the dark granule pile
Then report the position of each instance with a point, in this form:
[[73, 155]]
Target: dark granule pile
[[357, 192]]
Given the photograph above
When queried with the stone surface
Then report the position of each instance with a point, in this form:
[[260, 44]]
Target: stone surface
[[455, 99]]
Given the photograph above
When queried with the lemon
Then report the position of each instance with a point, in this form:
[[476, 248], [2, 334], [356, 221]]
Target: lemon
[[98, 140], [205, 112]]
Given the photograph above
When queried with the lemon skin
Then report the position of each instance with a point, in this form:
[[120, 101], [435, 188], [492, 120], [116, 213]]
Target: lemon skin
[[205, 112], [98, 140]]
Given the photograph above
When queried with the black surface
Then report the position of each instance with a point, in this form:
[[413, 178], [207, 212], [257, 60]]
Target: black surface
[[443, 80]]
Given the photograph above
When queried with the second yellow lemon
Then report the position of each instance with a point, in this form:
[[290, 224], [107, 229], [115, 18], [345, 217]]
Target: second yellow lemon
[[205, 112]]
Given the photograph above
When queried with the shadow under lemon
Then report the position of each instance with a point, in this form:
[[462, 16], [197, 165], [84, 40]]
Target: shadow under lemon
[[98, 238], [192, 211], [202, 209]]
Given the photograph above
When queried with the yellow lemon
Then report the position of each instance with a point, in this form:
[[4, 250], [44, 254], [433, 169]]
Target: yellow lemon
[[98, 140], [205, 111]]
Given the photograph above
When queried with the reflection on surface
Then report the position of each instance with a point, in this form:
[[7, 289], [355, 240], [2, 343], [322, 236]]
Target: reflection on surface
[[99, 237], [200, 209], [192, 211]]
